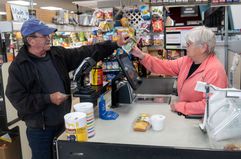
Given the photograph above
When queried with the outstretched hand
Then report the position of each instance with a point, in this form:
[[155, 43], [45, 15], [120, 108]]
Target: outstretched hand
[[173, 107], [137, 52]]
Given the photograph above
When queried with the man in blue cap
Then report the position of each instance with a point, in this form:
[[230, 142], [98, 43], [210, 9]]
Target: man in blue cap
[[39, 81]]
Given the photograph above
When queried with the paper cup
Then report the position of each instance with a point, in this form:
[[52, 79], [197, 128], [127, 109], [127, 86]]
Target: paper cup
[[157, 122]]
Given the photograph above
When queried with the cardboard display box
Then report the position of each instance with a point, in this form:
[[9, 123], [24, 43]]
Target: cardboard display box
[[10, 150]]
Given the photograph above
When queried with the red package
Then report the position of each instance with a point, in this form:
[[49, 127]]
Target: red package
[[157, 25]]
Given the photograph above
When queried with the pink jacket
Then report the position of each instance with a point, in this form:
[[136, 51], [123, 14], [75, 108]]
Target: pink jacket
[[190, 101]]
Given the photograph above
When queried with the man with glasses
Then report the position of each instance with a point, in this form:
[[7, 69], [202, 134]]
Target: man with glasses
[[39, 83], [200, 64]]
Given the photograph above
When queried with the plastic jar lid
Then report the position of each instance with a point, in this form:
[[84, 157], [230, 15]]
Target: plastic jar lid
[[86, 107], [75, 120]]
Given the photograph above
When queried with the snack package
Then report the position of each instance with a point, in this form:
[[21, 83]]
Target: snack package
[[157, 11], [108, 13], [99, 14], [124, 22], [157, 25], [158, 39], [145, 13], [142, 123], [145, 26], [147, 40]]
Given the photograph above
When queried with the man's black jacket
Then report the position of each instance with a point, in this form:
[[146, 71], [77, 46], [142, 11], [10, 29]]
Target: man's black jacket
[[24, 89]]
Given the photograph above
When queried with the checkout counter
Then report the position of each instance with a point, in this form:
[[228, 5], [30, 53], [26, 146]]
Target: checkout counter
[[181, 138]]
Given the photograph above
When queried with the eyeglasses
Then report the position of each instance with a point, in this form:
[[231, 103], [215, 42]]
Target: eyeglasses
[[188, 44]]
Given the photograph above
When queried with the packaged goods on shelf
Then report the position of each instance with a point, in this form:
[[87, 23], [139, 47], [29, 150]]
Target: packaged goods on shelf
[[70, 39], [173, 54], [145, 26], [158, 39], [157, 25]]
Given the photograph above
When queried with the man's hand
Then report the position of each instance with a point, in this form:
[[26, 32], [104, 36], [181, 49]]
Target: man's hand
[[122, 40], [58, 98]]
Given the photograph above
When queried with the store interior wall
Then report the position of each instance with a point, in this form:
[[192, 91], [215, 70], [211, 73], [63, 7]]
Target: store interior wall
[[235, 17]]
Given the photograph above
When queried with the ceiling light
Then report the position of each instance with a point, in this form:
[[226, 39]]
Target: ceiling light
[[51, 8], [90, 4], [22, 3], [3, 13]]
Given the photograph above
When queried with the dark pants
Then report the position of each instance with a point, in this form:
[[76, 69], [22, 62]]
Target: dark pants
[[41, 141]]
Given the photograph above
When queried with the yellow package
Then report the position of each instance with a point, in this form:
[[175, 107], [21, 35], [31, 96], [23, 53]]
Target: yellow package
[[142, 123]]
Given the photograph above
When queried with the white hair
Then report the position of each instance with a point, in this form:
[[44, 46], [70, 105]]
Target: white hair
[[202, 35]]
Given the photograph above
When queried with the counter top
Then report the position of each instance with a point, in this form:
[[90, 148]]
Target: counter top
[[178, 131]]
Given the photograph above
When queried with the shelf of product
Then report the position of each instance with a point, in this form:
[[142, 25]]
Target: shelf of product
[[10, 44], [70, 39]]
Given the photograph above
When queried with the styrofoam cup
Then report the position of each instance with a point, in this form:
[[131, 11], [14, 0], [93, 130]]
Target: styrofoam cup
[[157, 122]]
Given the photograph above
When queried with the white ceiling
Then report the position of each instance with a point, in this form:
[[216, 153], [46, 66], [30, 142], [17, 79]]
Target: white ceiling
[[87, 4]]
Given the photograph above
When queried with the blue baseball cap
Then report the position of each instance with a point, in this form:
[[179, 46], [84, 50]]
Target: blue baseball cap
[[35, 26]]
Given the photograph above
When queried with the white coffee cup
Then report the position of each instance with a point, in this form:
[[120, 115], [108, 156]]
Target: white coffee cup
[[157, 122]]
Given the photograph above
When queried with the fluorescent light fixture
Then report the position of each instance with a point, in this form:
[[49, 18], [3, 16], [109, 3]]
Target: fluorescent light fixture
[[51, 8], [89, 4], [22, 3], [3, 13]]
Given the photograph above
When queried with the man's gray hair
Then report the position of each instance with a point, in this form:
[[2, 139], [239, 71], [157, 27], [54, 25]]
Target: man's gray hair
[[25, 39], [202, 35]]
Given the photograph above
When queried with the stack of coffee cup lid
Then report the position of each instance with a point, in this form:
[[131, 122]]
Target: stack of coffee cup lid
[[87, 107], [75, 125]]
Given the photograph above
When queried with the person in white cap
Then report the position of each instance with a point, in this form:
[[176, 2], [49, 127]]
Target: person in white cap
[[38, 81]]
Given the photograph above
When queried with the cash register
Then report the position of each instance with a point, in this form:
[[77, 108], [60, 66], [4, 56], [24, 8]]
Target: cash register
[[124, 84], [85, 92]]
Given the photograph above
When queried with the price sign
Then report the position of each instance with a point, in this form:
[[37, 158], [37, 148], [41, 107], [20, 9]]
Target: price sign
[[20, 13]]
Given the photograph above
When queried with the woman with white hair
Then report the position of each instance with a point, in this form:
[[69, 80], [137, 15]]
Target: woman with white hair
[[200, 64]]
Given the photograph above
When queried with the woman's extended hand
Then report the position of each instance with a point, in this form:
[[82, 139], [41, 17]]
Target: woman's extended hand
[[137, 52], [173, 107]]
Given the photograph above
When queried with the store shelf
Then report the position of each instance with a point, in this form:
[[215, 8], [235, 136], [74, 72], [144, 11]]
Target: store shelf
[[185, 4], [224, 4], [70, 28], [178, 4], [111, 70], [154, 47], [9, 26]]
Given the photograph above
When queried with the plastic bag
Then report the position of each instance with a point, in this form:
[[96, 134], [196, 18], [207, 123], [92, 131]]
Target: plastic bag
[[224, 121]]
